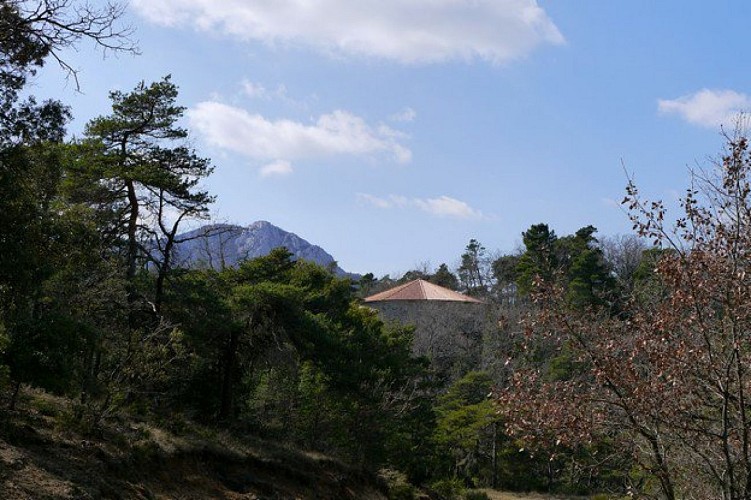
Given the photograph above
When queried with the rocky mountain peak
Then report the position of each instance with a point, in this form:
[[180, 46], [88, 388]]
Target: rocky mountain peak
[[222, 245]]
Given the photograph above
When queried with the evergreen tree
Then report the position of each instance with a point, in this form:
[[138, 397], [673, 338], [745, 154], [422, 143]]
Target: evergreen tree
[[506, 276], [466, 428], [474, 272], [445, 278], [137, 160], [589, 281], [539, 259]]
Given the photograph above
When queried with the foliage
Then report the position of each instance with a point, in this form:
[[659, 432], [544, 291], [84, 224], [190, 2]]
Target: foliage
[[445, 278], [506, 278], [666, 381], [474, 271], [41, 30], [399, 487], [575, 261], [465, 427], [142, 173], [451, 489], [631, 368], [539, 259], [293, 356]]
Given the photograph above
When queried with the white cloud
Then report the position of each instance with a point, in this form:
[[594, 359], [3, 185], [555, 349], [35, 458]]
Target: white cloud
[[407, 31], [375, 200], [446, 206], [405, 115], [257, 90], [279, 168], [253, 89], [442, 206], [333, 134], [708, 108]]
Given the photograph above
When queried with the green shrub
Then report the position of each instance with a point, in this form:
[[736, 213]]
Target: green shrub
[[75, 420], [46, 407], [398, 486], [451, 489]]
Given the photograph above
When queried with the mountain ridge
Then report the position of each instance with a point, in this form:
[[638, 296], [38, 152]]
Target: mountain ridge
[[225, 245]]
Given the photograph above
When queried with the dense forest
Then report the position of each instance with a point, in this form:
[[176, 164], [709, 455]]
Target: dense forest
[[604, 365]]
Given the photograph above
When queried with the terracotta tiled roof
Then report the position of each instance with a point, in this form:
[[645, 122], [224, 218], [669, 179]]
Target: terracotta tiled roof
[[421, 290]]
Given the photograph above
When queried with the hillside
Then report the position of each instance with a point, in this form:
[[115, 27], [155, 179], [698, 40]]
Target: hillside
[[41, 457]]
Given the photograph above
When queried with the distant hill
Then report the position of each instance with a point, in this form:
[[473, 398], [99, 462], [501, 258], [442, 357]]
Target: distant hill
[[224, 245]]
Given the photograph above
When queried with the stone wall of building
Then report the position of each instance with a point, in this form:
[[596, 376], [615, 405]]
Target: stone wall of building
[[447, 333]]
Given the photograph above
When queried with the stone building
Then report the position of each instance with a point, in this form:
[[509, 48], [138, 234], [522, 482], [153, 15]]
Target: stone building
[[448, 325]]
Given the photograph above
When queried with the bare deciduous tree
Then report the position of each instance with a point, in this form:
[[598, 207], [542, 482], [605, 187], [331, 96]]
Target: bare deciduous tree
[[667, 378], [33, 30], [624, 254]]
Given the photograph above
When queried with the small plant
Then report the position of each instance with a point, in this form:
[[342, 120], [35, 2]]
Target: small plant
[[398, 485], [46, 407], [72, 420], [451, 489]]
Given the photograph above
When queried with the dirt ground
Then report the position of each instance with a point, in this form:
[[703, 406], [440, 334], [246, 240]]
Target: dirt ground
[[500, 495]]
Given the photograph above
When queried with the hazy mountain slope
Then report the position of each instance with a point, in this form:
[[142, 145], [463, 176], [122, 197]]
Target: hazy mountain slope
[[219, 245]]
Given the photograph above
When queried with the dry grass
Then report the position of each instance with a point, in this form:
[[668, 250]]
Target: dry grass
[[501, 495], [42, 457]]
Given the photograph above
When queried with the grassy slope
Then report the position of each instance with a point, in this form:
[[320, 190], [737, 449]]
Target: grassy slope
[[500, 495], [42, 458]]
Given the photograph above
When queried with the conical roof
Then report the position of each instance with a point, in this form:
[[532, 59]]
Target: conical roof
[[421, 290]]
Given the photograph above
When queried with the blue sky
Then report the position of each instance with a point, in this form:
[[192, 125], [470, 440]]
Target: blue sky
[[390, 132]]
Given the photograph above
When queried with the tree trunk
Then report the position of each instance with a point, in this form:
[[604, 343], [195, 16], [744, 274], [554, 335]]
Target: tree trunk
[[161, 277], [230, 355], [132, 232], [494, 458], [14, 397]]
